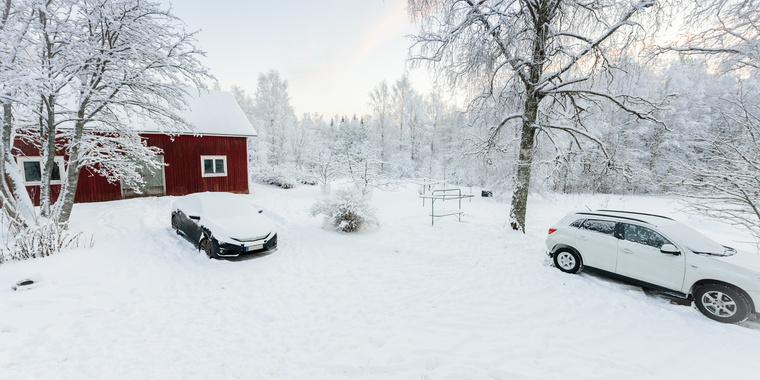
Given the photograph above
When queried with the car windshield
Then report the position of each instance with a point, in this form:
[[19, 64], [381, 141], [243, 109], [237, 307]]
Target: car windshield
[[697, 242]]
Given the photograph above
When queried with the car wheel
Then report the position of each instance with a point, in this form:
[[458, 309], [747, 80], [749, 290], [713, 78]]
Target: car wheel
[[568, 261], [721, 303], [206, 248]]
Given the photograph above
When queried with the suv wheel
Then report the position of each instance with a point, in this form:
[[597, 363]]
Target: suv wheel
[[721, 303], [567, 261]]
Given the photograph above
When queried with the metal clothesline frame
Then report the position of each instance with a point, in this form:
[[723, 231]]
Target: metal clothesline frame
[[444, 195]]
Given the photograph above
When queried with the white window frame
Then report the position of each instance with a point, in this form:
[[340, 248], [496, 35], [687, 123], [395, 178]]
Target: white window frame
[[214, 158], [58, 159]]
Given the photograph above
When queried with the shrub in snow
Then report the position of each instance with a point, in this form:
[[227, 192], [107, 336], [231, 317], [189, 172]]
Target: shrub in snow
[[307, 181], [40, 240], [278, 178], [346, 211]]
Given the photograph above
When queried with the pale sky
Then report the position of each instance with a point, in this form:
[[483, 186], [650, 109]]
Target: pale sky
[[331, 52]]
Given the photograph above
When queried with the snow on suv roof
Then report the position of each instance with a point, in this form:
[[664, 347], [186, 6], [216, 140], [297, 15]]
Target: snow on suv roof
[[653, 219], [694, 240]]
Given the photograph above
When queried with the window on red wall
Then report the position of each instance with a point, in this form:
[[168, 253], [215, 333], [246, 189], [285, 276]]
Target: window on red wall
[[214, 166], [31, 168]]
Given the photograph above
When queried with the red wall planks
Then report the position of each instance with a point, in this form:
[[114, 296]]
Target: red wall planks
[[183, 159], [182, 154]]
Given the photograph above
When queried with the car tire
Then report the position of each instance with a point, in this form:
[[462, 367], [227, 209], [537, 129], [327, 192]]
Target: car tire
[[205, 246], [722, 303], [568, 261]]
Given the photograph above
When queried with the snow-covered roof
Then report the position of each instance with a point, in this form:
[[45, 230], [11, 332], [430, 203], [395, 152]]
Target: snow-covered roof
[[210, 112]]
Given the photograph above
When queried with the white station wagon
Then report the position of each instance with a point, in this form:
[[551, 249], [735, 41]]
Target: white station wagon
[[660, 253]]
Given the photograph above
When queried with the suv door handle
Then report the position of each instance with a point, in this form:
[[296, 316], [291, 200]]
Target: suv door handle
[[626, 250], [582, 237]]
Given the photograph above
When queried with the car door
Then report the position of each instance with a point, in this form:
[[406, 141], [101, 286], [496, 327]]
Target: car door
[[595, 240], [191, 221], [640, 258], [193, 228]]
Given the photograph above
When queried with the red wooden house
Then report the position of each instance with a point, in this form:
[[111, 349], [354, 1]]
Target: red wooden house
[[212, 157]]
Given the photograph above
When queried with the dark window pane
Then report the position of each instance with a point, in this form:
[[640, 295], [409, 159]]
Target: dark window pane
[[643, 235], [208, 166], [32, 172], [56, 174], [602, 226], [577, 223], [219, 166]]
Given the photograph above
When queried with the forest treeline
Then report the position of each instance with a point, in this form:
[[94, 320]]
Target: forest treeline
[[625, 103]]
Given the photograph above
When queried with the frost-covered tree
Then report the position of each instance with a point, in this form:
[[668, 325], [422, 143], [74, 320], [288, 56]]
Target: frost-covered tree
[[304, 138], [91, 70], [727, 30], [16, 78], [248, 106], [380, 103], [275, 117], [408, 118], [725, 174], [437, 137], [531, 59], [246, 102]]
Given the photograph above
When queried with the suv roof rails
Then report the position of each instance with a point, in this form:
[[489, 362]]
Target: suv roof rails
[[637, 213], [594, 213]]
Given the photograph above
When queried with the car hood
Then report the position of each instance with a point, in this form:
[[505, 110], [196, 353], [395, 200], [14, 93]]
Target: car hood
[[239, 228], [743, 259]]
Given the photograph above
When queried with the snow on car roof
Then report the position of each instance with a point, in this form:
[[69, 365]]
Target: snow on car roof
[[208, 202]]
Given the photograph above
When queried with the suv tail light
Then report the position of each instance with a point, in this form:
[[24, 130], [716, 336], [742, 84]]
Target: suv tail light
[[551, 230]]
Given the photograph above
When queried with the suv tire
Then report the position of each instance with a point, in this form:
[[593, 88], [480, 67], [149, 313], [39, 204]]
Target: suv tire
[[722, 303], [568, 261]]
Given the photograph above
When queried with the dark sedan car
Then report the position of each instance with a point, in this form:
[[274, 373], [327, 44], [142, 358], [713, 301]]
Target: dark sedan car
[[222, 224]]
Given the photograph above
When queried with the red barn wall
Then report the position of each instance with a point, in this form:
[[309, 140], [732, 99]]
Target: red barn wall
[[182, 174], [183, 159]]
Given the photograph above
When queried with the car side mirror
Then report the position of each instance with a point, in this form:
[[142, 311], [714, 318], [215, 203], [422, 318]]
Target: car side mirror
[[194, 217], [670, 249]]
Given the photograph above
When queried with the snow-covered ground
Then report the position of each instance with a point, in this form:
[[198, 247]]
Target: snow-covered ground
[[460, 300]]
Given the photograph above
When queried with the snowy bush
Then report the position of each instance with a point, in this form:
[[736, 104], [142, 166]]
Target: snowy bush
[[40, 240], [282, 179], [346, 211], [305, 179]]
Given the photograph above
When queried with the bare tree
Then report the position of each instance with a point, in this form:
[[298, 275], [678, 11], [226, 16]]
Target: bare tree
[[540, 54]]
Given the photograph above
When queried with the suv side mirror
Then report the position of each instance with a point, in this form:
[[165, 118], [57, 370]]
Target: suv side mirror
[[670, 249]]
